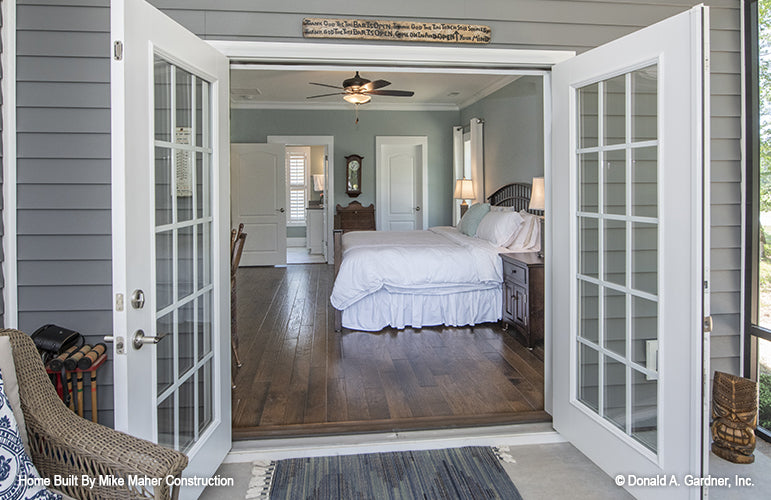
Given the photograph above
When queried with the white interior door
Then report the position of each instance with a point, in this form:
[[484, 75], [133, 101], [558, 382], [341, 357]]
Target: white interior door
[[170, 236], [626, 212], [401, 201], [258, 200]]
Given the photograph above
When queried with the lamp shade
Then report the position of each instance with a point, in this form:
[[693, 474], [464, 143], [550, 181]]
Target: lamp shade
[[537, 194], [464, 189]]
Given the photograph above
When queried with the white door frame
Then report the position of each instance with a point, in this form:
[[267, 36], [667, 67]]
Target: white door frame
[[329, 185], [401, 140], [426, 59], [301, 56]]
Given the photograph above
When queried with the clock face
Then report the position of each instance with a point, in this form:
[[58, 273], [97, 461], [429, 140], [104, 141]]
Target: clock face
[[354, 165]]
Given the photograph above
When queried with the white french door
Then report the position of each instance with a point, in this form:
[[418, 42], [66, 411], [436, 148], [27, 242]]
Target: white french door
[[170, 236], [627, 215]]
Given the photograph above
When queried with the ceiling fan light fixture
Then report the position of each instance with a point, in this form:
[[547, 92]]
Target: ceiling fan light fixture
[[357, 98]]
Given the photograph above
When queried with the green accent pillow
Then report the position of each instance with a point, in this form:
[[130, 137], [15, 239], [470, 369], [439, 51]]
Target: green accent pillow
[[470, 221]]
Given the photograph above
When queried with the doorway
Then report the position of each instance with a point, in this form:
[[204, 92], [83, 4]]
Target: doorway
[[313, 244]]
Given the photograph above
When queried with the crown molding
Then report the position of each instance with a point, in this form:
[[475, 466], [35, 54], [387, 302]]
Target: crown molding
[[343, 106]]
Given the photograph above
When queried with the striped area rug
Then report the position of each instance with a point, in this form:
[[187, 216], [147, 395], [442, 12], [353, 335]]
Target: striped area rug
[[472, 473]]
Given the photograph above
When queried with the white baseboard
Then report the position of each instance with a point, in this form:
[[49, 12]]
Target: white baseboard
[[295, 242]]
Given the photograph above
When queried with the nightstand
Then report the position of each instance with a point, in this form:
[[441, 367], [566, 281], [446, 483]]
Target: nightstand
[[523, 295]]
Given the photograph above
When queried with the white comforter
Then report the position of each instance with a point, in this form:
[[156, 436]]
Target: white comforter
[[438, 261]]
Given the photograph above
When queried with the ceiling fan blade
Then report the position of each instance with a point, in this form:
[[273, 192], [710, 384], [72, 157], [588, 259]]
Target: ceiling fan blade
[[377, 84], [325, 95], [325, 85], [395, 93]]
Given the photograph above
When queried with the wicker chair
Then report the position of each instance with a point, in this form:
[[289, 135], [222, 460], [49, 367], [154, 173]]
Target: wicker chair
[[65, 444]]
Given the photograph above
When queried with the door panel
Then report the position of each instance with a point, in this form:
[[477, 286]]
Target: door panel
[[170, 232], [258, 187], [627, 213], [401, 197]]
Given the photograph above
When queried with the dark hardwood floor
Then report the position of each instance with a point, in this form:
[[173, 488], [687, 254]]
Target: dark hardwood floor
[[299, 376]]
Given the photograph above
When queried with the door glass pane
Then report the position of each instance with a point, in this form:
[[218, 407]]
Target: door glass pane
[[645, 195], [187, 414], [588, 376], [204, 324], [183, 111], [162, 95], [644, 331], [186, 339], [645, 257], [185, 261], [644, 410], [587, 118], [645, 104], [615, 110], [588, 197], [183, 168], [183, 255], [589, 311], [615, 182], [164, 269], [205, 411], [166, 425], [618, 247], [615, 251], [614, 393], [615, 320], [203, 242], [164, 353], [163, 200], [589, 243]]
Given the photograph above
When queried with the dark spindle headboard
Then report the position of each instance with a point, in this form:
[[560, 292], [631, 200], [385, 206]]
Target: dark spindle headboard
[[515, 195]]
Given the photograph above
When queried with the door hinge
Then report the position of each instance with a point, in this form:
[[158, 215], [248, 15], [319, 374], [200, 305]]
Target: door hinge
[[708, 324], [118, 301], [118, 50]]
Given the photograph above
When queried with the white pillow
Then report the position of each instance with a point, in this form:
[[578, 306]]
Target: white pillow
[[499, 228], [496, 208], [528, 239]]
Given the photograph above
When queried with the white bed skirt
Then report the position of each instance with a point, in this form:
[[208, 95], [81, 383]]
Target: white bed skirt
[[398, 310]]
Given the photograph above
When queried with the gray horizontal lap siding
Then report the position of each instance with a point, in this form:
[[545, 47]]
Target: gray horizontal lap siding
[[550, 24], [63, 171]]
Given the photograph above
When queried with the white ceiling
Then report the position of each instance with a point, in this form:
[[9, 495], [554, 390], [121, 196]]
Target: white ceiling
[[289, 89]]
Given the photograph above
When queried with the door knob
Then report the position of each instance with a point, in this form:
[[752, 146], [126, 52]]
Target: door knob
[[141, 339], [417, 209], [280, 210], [138, 299]]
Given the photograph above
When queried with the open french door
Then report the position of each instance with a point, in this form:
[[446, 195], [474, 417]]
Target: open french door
[[170, 148], [627, 217]]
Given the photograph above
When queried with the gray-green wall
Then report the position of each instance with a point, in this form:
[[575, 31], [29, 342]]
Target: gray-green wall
[[255, 125], [513, 132]]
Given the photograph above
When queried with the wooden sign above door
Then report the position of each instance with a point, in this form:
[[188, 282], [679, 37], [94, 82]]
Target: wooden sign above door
[[403, 31]]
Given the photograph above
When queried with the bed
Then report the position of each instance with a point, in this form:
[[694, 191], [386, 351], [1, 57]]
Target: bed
[[439, 276]]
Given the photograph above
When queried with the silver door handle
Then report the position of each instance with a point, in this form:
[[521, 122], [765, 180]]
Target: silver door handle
[[280, 210], [417, 209], [141, 339]]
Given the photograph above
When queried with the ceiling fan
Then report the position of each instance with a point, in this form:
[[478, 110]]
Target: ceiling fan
[[358, 90]]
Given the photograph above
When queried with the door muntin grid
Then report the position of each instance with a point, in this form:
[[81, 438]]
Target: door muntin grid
[[182, 236], [617, 252]]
